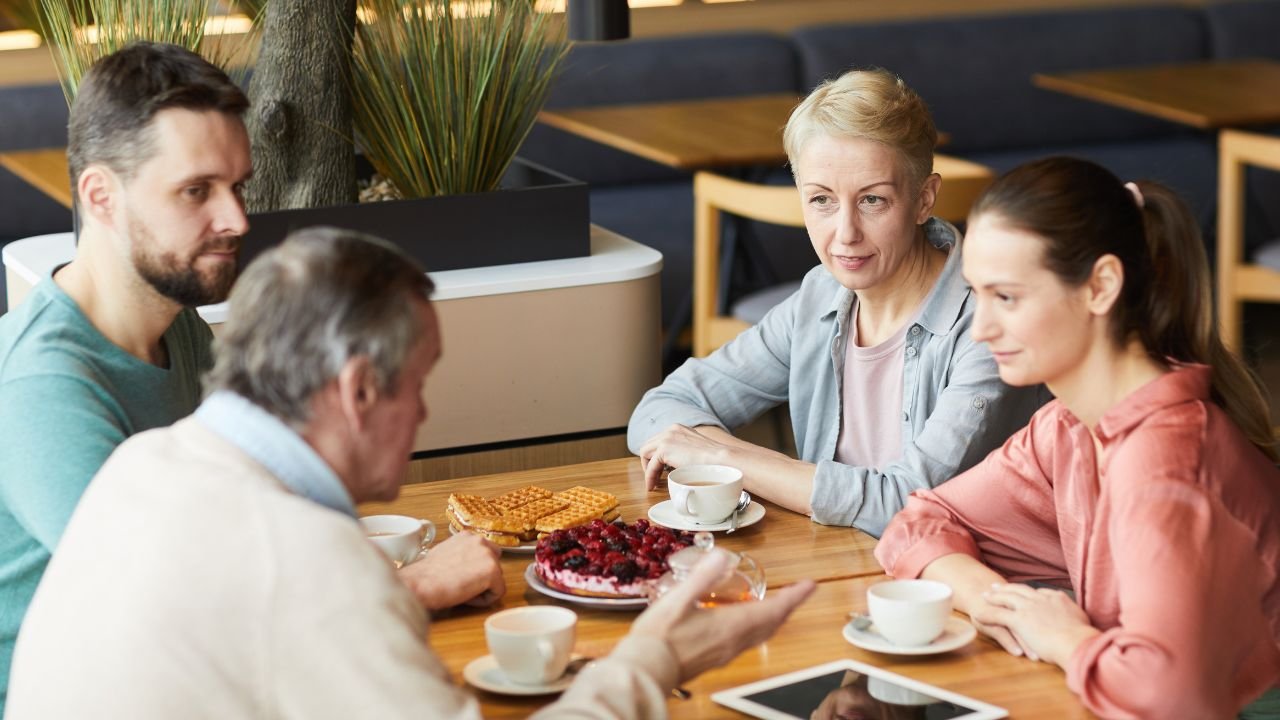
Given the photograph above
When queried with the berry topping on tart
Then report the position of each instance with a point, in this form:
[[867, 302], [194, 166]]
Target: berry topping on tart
[[607, 559]]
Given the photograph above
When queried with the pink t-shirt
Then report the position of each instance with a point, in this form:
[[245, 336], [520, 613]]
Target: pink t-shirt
[[871, 400]]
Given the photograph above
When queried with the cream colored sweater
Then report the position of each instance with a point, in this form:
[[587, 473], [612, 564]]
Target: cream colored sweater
[[191, 584]]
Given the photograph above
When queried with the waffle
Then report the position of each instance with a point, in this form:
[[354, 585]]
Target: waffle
[[469, 508], [521, 515], [574, 515], [590, 497], [500, 539], [523, 496], [525, 517]]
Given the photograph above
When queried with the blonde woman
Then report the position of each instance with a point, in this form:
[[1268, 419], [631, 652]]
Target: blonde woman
[[1148, 489], [887, 391]]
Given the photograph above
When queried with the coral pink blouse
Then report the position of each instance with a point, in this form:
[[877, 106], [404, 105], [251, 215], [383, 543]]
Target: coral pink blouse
[[1171, 541]]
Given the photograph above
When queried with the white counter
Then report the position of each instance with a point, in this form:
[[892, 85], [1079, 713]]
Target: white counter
[[532, 350]]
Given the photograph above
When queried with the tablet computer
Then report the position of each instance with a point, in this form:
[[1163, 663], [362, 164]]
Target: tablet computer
[[847, 688]]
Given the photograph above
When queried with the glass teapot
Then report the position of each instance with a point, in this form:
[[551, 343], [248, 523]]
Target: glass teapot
[[742, 582]]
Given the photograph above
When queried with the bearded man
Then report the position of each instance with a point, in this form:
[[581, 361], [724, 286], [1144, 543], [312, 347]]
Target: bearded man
[[110, 344]]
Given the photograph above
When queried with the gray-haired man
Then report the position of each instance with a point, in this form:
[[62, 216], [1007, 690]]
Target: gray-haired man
[[225, 572]]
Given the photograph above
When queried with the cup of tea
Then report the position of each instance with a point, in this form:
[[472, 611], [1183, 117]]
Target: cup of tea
[[532, 644], [706, 494], [400, 537], [909, 612]]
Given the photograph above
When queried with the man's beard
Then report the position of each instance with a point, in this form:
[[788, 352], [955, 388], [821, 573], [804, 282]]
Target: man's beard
[[181, 284]]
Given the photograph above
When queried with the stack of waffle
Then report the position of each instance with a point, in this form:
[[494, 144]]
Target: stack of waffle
[[524, 515]]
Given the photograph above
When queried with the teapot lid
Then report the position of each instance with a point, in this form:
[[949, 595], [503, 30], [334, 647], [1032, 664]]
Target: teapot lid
[[682, 561]]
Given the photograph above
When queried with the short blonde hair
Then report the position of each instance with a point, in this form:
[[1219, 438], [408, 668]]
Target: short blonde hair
[[871, 104]]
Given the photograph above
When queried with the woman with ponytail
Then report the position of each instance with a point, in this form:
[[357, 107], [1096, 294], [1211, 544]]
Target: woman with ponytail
[[1131, 532]]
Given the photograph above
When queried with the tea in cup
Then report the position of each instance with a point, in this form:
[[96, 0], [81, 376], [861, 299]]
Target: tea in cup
[[533, 644], [400, 537], [909, 612], [706, 494]]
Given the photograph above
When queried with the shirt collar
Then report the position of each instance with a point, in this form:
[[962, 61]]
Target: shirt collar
[[276, 447], [1185, 383], [945, 302]]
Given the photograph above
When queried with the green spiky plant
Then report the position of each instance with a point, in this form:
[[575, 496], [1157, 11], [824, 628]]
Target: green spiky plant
[[443, 95], [82, 31]]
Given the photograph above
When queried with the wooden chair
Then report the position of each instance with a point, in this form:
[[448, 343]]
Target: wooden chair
[[962, 182], [1240, 281]]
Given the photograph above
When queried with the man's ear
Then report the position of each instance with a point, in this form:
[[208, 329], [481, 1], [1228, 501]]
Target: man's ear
[[98, 190], [357, 391], [1105, 284], [928, 197]]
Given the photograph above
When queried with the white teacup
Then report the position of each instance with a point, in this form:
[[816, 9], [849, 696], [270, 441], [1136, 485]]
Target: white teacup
[[909, 612], [705, 493], [401, 537], [532, 644]]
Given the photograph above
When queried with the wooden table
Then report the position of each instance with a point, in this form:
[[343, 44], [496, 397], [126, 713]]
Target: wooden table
[[45, 169], [687, 134], [1206, 95], [789, 547]]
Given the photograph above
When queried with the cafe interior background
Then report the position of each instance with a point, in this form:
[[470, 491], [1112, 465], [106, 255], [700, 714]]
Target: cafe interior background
[[986, 67]]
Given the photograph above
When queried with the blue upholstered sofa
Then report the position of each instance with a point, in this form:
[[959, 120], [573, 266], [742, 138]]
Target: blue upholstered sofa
[[974, 71]]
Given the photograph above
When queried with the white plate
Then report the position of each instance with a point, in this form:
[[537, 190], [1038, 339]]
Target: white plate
[[955, 635], [484, 673], [535, 582], [666, 515], [521, 549]]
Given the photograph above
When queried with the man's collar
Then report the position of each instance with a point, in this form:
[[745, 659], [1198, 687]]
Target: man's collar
[[277, 447]]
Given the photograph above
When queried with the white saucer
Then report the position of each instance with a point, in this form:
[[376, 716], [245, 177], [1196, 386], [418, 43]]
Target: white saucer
[[521, 549], [535, 582], [484, 673], [955, 635], [666, 515]]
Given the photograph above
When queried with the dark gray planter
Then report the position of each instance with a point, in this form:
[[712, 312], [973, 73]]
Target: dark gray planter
[[538, 215]]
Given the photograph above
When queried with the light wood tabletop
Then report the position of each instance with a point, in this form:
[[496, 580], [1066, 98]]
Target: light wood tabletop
[[789, 547], [689, 134], [811, 636], [44, 169], [786, 544], [1206, 95]]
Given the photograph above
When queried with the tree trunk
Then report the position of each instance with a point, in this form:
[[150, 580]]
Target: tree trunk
[[300, 117]]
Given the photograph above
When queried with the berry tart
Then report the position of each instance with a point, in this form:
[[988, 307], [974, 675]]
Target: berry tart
[[607, 560]]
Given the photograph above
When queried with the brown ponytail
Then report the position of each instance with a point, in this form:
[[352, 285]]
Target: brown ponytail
[[1083, 212]]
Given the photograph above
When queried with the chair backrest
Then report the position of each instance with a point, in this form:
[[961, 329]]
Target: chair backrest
[[1238, 280], [962, 182], [777, 204]]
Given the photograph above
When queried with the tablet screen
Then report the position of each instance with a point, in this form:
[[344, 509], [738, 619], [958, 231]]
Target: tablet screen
[[847, 690]]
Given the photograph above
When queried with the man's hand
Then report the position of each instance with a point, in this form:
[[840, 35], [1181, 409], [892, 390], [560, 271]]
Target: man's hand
[[1047, 624], [702, 639], [462, 569]]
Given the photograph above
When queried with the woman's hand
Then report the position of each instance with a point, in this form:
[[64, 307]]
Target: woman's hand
[[678, 446], [1047, 624]]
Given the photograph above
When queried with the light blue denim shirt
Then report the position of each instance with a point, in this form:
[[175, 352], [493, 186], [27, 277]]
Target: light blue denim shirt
[[955, 407], [277, 448]]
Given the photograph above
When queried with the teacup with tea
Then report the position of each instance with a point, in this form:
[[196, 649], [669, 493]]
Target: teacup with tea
[[400, 537], [706, 494], [532, 645], [909, 612]]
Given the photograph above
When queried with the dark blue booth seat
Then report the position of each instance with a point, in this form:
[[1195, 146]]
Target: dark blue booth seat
[[31, 117]]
